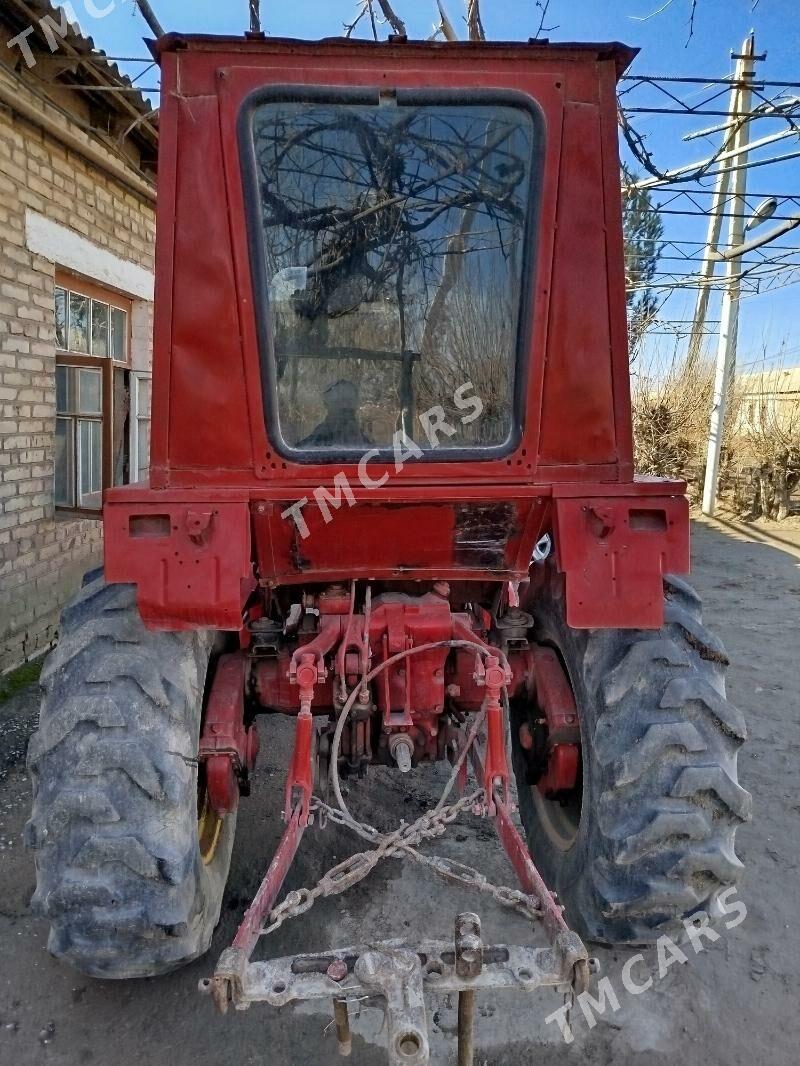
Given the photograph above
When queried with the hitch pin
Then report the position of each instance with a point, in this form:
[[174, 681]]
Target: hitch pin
[[343, 1035]]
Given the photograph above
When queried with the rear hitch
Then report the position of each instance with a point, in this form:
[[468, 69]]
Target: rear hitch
[[397, 977], [391, 972]]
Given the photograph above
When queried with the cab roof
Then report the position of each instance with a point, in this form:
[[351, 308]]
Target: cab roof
[[621, 54]]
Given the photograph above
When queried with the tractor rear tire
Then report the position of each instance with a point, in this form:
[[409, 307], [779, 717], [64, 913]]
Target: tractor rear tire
[[115, 824], [647, 837]]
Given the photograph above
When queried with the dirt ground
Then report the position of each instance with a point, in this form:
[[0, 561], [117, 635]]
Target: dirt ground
[[732, 1004]]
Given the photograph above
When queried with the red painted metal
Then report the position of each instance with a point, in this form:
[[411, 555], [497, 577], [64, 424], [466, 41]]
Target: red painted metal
[[227, 748], [496, 771], [264, 900], [556, 701], [515, 847], [300, 779], [563, 762], [186, 578], [614, 554], [525, 869], [214, 472]]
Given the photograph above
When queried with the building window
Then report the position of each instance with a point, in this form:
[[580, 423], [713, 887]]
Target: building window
[[141, 386], [92, 393]]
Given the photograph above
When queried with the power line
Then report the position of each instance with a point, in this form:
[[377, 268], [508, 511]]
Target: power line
[[689, 112], [728, 82], [657, 209]]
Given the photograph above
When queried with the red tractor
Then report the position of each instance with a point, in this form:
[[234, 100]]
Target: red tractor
[[391, 496]]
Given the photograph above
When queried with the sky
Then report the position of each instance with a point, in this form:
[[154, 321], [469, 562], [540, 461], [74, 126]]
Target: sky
[[660, 29]]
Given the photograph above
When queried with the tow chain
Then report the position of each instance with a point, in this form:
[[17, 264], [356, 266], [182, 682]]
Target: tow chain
[[403, 842]]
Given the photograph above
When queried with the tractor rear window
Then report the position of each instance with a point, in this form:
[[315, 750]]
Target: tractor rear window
[[391, 252]]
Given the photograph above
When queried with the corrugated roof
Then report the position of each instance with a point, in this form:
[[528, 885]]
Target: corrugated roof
[[94, 68]]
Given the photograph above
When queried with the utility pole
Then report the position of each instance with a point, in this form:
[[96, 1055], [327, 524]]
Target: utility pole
[[706, 272], [729, 317]]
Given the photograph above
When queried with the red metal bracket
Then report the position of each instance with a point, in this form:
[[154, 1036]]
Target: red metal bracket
[[614, 552], [306, 670], [227, 748], [555, 698], [264, 899], [495, 770], [300, 780], [330, 628], [514, 846]]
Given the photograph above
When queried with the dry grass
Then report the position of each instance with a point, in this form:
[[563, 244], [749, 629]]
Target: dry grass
[[670, 418]]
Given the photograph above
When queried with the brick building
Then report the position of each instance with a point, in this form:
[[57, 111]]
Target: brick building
[[77, 196]]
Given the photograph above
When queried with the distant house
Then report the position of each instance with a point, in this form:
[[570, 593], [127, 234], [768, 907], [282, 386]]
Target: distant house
[[770, 400], [78, 148]]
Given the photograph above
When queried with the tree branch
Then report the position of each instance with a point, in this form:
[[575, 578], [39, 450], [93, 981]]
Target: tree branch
[[394, 20], [348, 27], [543, 6], [150, 17], [445, 25], [474, 24]]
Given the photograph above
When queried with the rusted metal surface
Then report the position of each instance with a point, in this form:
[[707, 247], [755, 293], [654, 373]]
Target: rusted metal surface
[[469, 963], [506, 966], [395, 974], [466, 1027], [482, 534], [527, 874], [341, 1018]]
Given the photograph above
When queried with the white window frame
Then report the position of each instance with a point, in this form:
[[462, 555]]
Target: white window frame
[[135, 419]]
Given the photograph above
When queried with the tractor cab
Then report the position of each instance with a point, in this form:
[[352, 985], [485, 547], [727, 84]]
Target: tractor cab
[[390, 312]]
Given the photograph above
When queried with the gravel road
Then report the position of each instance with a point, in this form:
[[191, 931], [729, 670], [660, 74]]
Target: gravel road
[[732, 1004]]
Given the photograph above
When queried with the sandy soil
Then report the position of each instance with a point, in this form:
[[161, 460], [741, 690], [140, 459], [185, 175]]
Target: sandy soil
[[732, 1004]]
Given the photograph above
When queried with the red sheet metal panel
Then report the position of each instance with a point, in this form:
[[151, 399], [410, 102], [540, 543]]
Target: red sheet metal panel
[[190, 561], [433, 538], [577, 402], [614, 552]]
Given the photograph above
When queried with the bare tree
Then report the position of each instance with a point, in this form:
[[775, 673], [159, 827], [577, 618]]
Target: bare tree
[[767, 432], [642, 230], [444, 27], [543, 7], [397, 24], [474, 24], [670, 418]]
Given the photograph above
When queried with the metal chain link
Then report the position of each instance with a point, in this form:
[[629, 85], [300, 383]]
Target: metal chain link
[[401, 842]]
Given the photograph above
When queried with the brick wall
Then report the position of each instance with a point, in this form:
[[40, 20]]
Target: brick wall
[[44, 554]]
